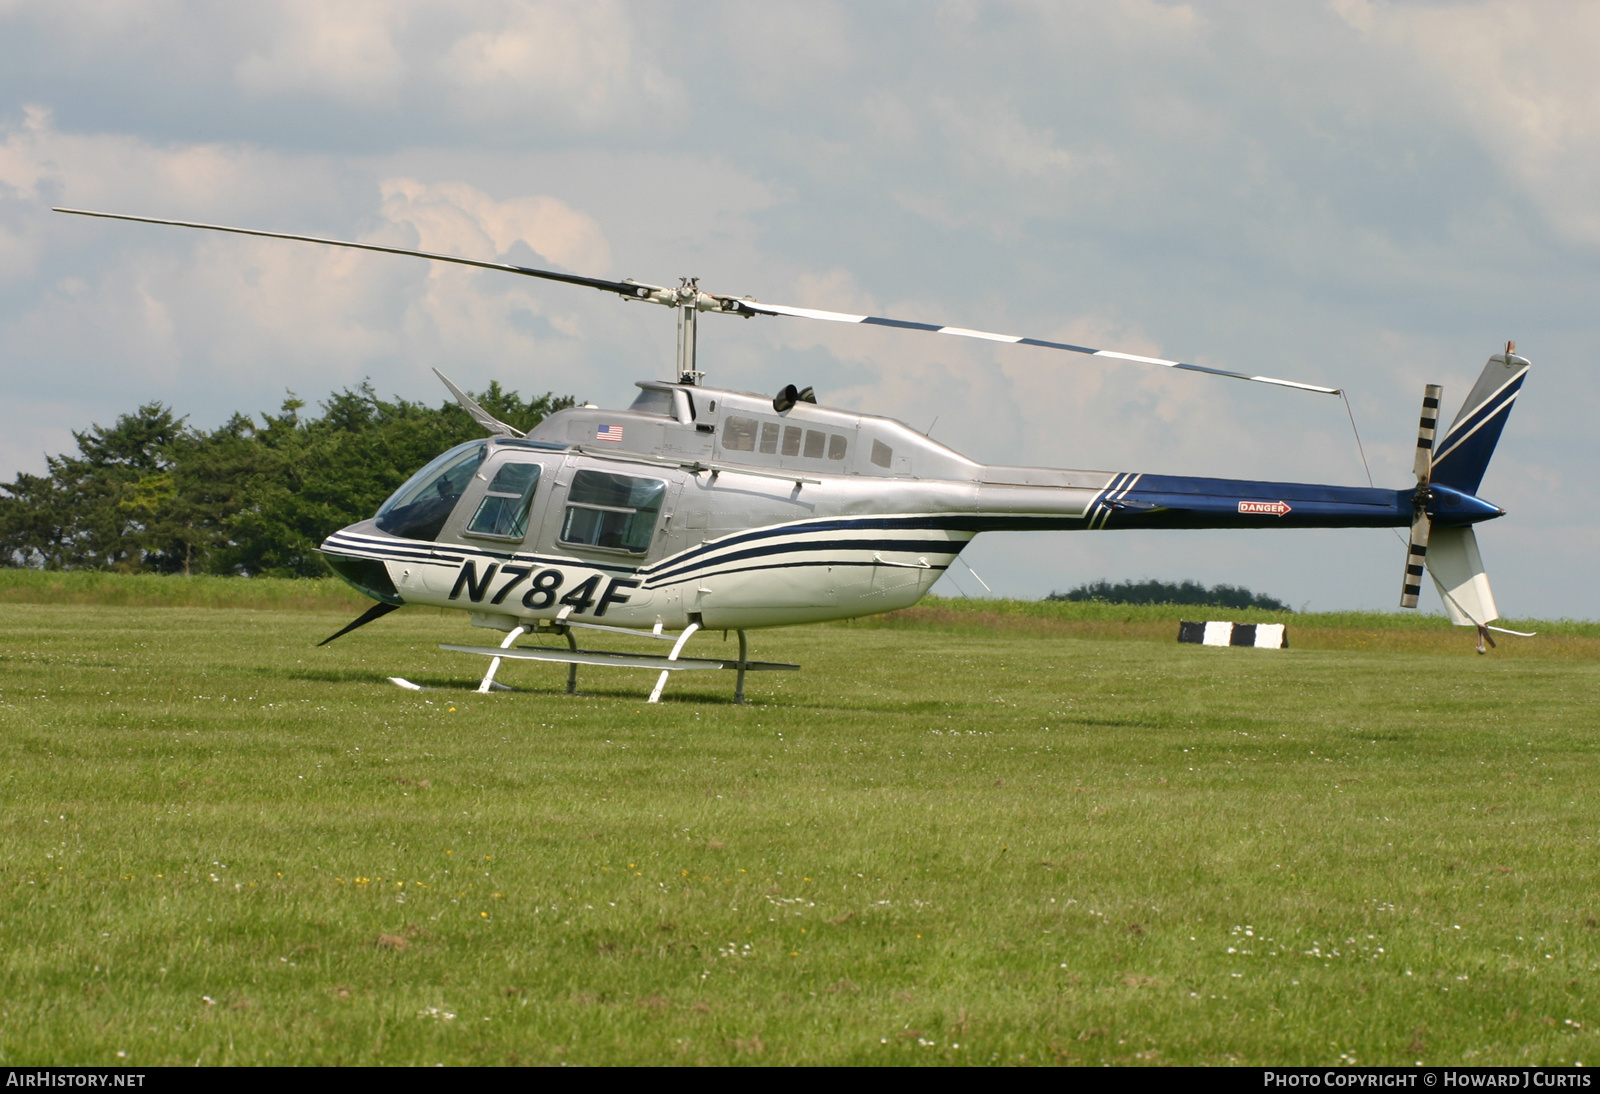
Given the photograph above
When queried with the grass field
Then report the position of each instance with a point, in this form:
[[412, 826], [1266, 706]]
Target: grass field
[[973, 832]]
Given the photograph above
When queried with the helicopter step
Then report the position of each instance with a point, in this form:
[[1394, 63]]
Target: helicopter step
[[667, 663]]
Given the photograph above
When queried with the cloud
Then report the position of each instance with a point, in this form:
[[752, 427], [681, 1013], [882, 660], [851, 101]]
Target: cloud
[[211, 323], [345, 50], [1520, 76], [455, 218], [780, 53], [574, 67]]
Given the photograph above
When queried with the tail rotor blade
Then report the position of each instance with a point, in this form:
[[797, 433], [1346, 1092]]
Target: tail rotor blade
[[1416, 559], [1427, 429], [1421, 524]]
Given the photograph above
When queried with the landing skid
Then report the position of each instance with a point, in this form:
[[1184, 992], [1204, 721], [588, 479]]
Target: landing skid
[[573, 656], [406, 685]]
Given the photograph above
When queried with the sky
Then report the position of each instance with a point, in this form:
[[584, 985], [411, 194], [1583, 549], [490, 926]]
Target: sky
[[1367, 195]]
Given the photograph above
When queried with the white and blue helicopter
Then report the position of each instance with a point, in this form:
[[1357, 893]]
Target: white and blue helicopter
[[707, 508]]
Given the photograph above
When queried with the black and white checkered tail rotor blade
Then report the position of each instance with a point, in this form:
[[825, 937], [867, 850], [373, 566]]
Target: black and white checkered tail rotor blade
[[747, 306], [1421, 524]]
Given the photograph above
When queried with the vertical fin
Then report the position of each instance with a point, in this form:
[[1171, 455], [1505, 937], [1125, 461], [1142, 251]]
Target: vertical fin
[[1462, 455], [1457, 572]]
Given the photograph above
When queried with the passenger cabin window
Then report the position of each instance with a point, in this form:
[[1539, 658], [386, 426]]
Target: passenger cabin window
[[615, 512], [653, 401], [882, 454], [503, 512], [739, 434], [419, 509]]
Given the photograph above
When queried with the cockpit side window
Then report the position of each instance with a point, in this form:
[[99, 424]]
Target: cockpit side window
[[503, 512], [615, 512], [419, 509]]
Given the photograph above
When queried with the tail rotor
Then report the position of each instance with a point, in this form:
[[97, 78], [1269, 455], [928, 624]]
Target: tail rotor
[[1421, 524], [1449, 470]]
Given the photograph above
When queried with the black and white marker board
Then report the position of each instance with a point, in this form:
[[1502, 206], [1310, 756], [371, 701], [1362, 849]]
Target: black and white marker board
[[1263, 636]]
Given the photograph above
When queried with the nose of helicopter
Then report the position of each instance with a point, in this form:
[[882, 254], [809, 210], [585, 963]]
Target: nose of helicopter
[[358, 554]]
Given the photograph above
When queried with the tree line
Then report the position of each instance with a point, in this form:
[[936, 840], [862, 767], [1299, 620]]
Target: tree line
[[1169, 592], [151, 493]]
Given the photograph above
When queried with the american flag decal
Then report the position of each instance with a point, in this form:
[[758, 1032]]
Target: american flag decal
[[608, 433]]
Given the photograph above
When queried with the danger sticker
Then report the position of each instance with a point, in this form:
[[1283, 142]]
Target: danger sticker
[[1273, 508]]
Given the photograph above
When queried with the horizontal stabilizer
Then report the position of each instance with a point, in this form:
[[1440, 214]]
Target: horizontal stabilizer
[[1457, 572], [1461, 456]]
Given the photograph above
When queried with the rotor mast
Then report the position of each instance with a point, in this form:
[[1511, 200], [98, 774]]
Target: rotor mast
[[687, 301]]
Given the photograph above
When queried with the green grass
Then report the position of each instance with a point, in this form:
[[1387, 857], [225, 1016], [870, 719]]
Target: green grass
[[1039, 837], [162, 591], [1395, 631]]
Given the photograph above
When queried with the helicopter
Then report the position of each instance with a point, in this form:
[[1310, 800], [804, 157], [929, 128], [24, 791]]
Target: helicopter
[[704, 508]]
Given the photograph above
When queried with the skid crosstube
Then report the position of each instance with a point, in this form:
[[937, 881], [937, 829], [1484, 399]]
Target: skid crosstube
[[620, 660]]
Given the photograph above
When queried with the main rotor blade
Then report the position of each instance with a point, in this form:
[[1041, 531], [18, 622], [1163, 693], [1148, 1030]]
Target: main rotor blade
[[702, 301], [622, 288], [963, 332]]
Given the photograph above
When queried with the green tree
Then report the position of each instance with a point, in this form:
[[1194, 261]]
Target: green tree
[[105, 508], [1168, 592], [151, 493]]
